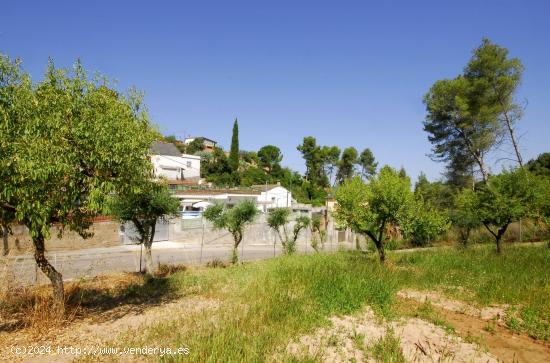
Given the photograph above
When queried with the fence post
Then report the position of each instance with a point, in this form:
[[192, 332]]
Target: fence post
[[274, 243], [202, 239], [520, 234], [242, 249]]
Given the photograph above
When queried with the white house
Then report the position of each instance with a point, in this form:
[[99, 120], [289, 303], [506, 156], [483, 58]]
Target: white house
[[273, 196], [170, 163]]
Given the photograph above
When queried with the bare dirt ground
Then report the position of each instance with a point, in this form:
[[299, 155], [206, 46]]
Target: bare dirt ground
[[472, 322], [101, 329], [349, 338]]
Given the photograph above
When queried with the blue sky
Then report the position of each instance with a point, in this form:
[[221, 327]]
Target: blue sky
[[351, 73]]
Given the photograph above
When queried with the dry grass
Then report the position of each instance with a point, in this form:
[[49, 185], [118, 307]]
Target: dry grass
[[31, 307]]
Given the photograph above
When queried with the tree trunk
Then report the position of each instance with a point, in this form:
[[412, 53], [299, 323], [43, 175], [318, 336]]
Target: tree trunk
[[499, 248], [381, 252], [55, 277], [148, 243], [5, 233], [237, 238], [498, 235]]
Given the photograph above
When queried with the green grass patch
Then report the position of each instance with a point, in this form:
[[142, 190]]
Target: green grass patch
[[266, 304], [520, 277]]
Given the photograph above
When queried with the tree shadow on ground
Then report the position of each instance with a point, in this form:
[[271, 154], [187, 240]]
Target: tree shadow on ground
[[100, 299]]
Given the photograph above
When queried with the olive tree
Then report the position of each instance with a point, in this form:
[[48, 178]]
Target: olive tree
[[144, 206], [369, 208], [278, 219], [70, 142], [234, 220], [318, 235], [504, 199]]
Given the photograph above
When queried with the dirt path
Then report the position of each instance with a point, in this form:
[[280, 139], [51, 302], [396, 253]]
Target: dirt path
[[350, 338], [472, 322]]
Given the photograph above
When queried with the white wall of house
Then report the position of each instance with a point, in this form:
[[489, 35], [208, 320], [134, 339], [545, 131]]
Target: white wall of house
[[177, 167], [278, 197]]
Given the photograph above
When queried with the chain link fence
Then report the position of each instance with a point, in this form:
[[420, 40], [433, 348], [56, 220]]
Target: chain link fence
[[179, 241]]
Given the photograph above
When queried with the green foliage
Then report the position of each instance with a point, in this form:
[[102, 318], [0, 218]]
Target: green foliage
[[278, 219], [314, 158], [331, 157], [144, 206], [540, 166], [369, 208], [67, 142], [436, 194], [464, 214], [387, 349], [234, 154], [318, 235], [233, 220], [346, 165], [270, 158], [468, 115], [494, 79], [424, 224], [195, 146], [217, 169], [367, 163], [506, 198]]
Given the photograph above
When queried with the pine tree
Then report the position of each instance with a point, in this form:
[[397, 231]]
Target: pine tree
[[234, 153]]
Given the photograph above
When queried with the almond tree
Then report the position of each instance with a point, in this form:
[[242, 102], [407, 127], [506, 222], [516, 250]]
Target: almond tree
[[70, 142], [506, 198], [369, 208]]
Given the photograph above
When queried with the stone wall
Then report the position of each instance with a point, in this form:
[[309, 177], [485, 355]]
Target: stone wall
[[105, 234]]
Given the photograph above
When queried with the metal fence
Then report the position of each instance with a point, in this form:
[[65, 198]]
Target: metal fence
[[187, 241]]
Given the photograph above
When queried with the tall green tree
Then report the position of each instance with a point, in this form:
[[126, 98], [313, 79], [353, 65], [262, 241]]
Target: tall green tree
[[367, 163], [460, 127], [144, 205], [496, 76], [234, 220], [70, 142], [270, 158], [346, 165], [313, 156], [540, 166], [331, 157], [234, 152]]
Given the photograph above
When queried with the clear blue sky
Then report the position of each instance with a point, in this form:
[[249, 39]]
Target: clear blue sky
[[351, 73]]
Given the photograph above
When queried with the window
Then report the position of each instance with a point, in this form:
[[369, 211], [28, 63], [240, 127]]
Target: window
[[188, 164]]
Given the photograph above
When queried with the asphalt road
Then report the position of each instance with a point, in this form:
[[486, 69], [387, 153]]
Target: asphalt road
[[93, 262]]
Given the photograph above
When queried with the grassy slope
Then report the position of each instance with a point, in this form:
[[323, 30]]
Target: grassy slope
[[266, 304]]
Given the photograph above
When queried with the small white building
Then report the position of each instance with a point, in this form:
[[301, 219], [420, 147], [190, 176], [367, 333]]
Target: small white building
[[273, 196], [170, 163]]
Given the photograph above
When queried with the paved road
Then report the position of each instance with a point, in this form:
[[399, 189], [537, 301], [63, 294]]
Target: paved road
[[126, 258], [98, 261]]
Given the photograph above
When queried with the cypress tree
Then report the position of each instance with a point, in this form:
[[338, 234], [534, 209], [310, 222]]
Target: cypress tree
[[234, 152]]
